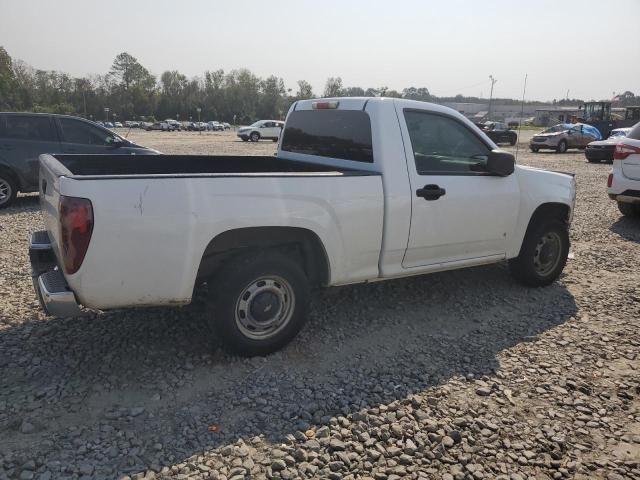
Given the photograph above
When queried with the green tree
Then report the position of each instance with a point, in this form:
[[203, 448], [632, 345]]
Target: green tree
[[333, 87], [8, 85], [305, 90]]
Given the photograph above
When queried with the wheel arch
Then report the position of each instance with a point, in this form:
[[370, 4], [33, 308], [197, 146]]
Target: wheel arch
[[11, 172], [547, 211], [297, 241]]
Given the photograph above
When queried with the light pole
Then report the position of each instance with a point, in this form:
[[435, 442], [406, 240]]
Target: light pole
[[199, 126], [493, 81], [106, 114]]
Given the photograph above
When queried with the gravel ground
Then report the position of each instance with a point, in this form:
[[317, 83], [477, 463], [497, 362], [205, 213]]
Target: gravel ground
[[458, 375]]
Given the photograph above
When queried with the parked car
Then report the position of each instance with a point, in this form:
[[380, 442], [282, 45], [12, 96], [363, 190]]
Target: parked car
[[197, 127], [361, 190], [499, 132], [162, 126], [563, 136], [131, 124], [118, 125], [262, 129], [25, 136], [173, 125], [216, 126], [603, 149], [108, 125], [624, 180], [226, 126]]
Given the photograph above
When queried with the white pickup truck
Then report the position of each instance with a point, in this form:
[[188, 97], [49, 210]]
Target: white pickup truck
[[360, 190]]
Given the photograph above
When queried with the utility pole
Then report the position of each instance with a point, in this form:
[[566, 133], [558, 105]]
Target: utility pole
[[493, 82]]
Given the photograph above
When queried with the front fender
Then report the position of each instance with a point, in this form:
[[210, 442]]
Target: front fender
[[539, 187]]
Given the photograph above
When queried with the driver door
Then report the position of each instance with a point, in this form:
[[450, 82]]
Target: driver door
[[459, 211], [78, 136]]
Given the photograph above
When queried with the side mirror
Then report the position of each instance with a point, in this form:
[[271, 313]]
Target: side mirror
[[115, 142], [500, 162]]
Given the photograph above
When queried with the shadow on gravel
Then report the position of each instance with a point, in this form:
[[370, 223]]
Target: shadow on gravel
[[153, 378], [627, 228]]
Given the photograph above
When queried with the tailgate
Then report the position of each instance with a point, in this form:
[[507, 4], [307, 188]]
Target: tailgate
[[49, 187]]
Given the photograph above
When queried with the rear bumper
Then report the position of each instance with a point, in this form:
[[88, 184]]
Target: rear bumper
[[54, 295], [599, 153], [628, 196]]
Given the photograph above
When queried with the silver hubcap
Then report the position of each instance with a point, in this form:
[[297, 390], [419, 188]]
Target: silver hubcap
[[547, 253], [264, 307], [5, 191]]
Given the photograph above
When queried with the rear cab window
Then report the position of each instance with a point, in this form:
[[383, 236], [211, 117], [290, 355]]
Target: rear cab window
[[339, 134]]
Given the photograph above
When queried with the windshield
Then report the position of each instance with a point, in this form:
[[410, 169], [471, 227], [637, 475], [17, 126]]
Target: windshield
[[555, 129], [618, 133], [256, 124]]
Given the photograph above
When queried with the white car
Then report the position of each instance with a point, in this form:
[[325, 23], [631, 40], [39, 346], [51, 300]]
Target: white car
[[361, 190], [624, 180], [262, 129], [215, 126]]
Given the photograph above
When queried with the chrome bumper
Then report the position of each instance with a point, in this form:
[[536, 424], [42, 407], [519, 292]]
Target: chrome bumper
[[54, 295]]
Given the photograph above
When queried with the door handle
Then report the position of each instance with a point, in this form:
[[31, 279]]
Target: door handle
[[430, 192]]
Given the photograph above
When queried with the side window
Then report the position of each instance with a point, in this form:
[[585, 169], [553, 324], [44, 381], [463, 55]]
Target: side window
[[76, 131], [28, 127], [443, 145]]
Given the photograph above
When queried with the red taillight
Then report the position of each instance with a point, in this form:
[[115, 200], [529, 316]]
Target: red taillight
[[76, 227], [623, 150], [610, 180]]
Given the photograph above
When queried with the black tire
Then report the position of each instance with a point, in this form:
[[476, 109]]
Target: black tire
[[534, 149], [274, 140], [629, 209], [513, 139], [255, 136], [524, 268], [235, 323], [8, 189], [562, 146], [592, 160]]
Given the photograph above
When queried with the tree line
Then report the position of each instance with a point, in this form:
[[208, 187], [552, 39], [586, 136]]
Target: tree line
[[131, 92]]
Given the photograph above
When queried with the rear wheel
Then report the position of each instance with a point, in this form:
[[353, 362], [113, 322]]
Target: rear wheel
[[543, 254], [629, 209], [259, 302], [562, 147], [534, 149], [8, 189], [255, 136]]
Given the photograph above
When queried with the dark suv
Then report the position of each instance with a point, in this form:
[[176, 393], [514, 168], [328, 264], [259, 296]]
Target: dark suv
[[24, 136]]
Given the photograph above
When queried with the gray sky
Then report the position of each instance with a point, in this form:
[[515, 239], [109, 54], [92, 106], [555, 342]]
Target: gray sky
[[590, 47]]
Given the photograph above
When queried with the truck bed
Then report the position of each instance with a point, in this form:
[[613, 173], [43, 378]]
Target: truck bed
[[155, 215], [92, 166]]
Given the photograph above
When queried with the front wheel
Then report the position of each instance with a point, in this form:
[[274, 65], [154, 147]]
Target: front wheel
[[259, 303], [543, 254], [255, 136], [8, 190], [627, 209], [534, 149]]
